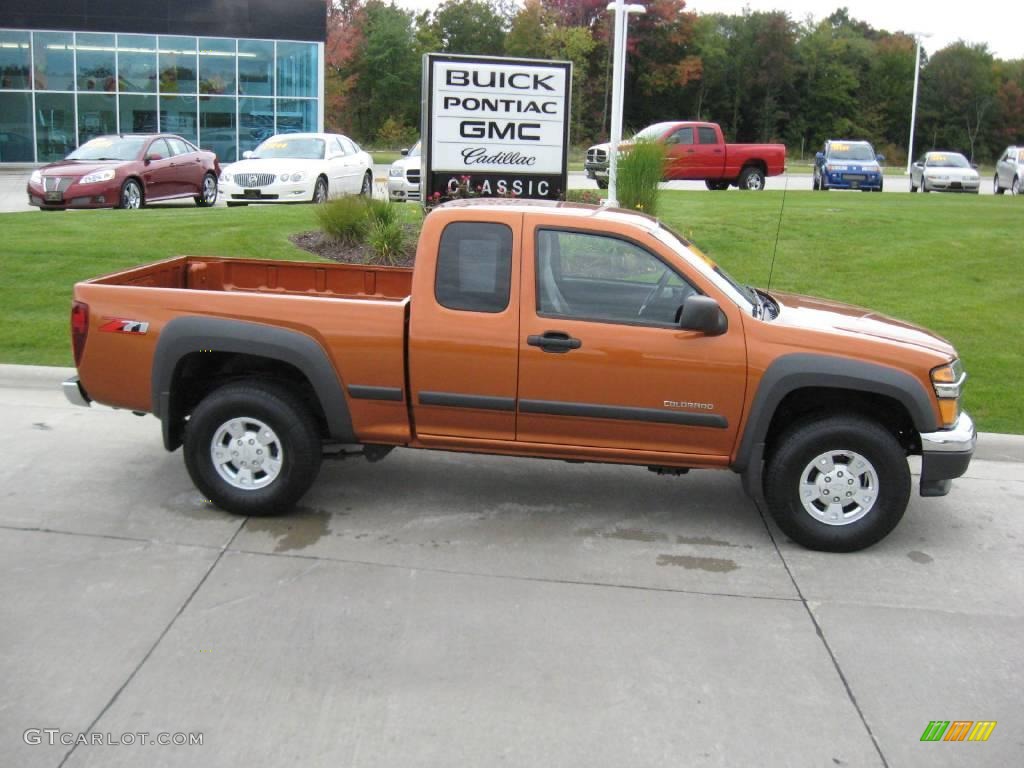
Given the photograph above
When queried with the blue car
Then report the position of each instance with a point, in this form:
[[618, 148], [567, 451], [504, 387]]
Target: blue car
[[846, 164]]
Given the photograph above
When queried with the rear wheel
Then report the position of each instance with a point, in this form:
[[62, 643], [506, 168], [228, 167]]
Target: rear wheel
[[837, 484], [252, 448], [131, 195], [751, 178], [209, 192]]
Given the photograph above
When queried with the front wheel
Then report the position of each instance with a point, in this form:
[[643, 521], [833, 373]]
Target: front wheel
[[131, 195], [837, 484], [367, 189], [996, 189], [209, 192], [751, 178], [602, 183], [1015, 186], [320, 190], [252, 448]]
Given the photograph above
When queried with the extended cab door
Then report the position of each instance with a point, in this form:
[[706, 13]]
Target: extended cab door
[[681, 153], [463, 330], [710, 154], [602, 361]]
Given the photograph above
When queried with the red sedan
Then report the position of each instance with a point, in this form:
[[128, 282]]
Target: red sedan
[[126, 171]]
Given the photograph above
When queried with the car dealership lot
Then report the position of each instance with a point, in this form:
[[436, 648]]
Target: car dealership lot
[[438, 609]]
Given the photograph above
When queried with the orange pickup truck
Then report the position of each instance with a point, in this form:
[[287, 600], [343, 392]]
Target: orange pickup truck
[[528, 329]]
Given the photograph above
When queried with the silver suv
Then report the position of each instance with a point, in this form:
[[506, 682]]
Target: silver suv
[[1010, 172]]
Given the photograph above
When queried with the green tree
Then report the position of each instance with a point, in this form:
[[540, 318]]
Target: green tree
[[470, 26], [958, 96]]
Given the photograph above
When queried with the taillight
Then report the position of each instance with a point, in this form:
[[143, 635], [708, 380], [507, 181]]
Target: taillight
[[79, 329]]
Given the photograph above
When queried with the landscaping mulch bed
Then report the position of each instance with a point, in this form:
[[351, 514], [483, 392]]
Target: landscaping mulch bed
[[318, 243]]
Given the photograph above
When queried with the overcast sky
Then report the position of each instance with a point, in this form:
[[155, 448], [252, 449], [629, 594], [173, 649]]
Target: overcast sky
[[980, 21]]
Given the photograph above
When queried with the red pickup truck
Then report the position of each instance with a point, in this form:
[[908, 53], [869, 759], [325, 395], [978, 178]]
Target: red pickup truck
[[528, 329], [698, 151]]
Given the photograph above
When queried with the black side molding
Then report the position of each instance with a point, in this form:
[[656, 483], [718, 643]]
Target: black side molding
[[456, 400], [624, 413], [364, 392]]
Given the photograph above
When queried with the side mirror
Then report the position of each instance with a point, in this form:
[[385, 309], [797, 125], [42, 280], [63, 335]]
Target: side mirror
[[702, 313], [154, 156], [919, 165], [974, 166], [880, 159], [405, 152], [247, 154]]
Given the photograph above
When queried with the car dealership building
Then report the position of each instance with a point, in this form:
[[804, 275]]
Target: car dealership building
[[224, 74]]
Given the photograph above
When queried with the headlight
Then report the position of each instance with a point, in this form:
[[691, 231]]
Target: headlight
[[36, 177], [298, 176], [284, 177], [948, 382], [395, 171], [97, 176], [225, 177]]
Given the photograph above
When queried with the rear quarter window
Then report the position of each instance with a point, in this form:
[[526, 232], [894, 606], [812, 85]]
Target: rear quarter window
[[474, 267]]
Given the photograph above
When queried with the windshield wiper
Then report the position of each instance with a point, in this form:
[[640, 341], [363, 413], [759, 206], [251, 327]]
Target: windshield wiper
[[758, 310]]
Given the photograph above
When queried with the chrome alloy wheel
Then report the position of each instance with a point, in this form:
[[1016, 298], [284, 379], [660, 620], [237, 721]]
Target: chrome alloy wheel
[[246, 453], [209, 190], [131, 196], [838, 487]]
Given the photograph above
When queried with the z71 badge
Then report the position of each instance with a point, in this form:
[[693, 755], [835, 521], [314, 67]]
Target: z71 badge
[[125, 326]]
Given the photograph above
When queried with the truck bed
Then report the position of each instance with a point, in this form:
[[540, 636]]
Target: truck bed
[[205, 273]]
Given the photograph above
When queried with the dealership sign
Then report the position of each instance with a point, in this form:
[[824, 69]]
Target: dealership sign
[[498, 127]]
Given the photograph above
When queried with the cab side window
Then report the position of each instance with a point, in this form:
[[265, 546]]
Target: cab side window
[[707, 135], [474, 267], [682, 136], [586, 276]]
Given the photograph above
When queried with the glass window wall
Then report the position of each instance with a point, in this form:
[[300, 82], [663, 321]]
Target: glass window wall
[[60, 89]]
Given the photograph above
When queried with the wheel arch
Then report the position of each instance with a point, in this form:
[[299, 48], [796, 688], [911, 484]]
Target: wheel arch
[[798, 385], [196, 354]]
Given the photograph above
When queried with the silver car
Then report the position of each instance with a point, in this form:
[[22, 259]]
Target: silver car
[[1010, 172], [944, 172]]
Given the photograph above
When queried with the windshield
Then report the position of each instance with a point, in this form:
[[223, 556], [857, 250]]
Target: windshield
[[283, 146], [946, 160], [860, 152], [110, 148], [741, 294], [415, 151], [652, 132]]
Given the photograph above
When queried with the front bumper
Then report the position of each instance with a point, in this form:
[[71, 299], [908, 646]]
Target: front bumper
[[278, 192], [596, 170], [75, 392], [844, 180], [401, 189], [946, 454], [953, 185], [103, 195]]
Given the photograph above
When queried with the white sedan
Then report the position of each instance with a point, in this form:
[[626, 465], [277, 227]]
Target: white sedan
[[944, 172], [298, 168]]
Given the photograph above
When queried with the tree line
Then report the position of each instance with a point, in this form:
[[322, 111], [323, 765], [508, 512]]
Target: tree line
[[764, 76]]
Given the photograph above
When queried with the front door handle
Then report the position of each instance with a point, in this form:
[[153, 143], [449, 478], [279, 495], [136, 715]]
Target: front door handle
[[554, 341], [690, 151]]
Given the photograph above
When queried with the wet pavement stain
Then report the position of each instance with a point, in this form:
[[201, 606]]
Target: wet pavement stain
[[707, 541], [920, 557], [712, 564], [626, 534], [195, 506], [303, 528]]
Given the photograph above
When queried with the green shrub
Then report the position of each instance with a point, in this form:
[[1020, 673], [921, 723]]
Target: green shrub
[[381, 211], [344, 219], [388, 241], [591, 196], [640, 170]]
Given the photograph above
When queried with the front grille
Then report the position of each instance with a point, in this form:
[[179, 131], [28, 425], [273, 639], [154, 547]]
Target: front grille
[[413, 195], [56, 183], [854, 177], [413, 175], [254, 179], [597, 156]]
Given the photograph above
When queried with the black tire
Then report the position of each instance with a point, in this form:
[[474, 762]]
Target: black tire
[[320, 191], [913, 189], [602, 183], [716, 185], [924, 185], [815, 183], [367, 189], [132, 197], [881, 184], [751, 178], [822, 183], [996, 189], [1015, 186], [792, 457], [297, 441], [208, 198]]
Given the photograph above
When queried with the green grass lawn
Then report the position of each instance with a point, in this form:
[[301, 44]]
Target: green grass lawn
[[948, 263]]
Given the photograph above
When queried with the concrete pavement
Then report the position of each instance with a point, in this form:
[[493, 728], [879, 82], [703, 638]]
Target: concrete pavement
[[439, 609]]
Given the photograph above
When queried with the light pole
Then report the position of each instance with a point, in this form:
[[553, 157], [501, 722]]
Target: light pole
[[913, 104], [622, 12]]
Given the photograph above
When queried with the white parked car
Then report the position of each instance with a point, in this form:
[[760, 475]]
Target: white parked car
[[404, 176], [1010, 172], [298, 167], [944, 172]]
